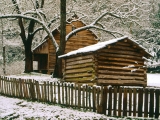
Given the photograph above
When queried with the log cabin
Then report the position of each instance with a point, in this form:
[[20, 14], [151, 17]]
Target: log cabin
[[119, 61], [44, 53]]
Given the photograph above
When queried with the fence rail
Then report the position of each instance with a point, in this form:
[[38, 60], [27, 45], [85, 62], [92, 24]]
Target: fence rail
[[111, 101]]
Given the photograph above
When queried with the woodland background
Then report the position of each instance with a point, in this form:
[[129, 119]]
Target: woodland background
[[140, 20]]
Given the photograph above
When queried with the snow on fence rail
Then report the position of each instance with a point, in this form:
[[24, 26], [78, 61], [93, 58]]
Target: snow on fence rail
[[112, 101]]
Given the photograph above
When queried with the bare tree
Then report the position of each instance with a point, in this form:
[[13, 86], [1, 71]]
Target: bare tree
[[116, 18]]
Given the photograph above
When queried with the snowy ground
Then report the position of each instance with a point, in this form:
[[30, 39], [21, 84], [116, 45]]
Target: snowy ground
[[17, 109], [153, 80]]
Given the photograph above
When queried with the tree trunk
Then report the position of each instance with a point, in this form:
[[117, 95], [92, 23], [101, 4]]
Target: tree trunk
[[58, 65], [28, 58]]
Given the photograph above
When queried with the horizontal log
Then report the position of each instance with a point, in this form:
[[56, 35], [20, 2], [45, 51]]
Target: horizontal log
[[87, 69], [123, 43], [119, 47], [85, 79], [119, 77], [120, 56], [79, 75], [120, 82], [79, 62], [122, 52], [79, 58], [119, 68], [84, 65], [117, 63], [120, 73], [120, 60]]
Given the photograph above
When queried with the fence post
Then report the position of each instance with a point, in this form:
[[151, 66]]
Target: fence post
[[157, 104], [104, 100], [31, 90]]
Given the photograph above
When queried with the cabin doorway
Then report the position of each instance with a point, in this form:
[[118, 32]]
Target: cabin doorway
[[42, 63]]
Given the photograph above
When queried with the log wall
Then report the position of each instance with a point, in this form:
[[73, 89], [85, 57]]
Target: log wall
[[80, 69], [121, 64], [79, 40]]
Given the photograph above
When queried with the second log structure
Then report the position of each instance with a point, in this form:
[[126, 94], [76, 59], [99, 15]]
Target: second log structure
[[119, 61]]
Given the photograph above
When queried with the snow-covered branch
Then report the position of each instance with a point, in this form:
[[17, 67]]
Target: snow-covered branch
[[35, 19]]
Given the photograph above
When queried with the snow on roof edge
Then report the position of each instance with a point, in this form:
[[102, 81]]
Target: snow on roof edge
[[98, 46], [92, 48]]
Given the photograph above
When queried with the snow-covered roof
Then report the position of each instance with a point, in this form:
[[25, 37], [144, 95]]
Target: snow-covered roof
[[98, 46]]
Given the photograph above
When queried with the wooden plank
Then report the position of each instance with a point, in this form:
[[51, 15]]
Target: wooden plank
[[38, 91], [72, 94], [151, 105], [81, 80], [94, 98], [119, 102], [130, 101], [45, 92], [140, 102], [120, 69], [104, 100], [48, 92], [66, 94], [123, 44], [87, 97], [122, 47], [78, 75], [146, 103], [120, 56], [54, 86], [90, 60], [69, 95], [157, 104], [87, 69], [115, 102], [126, 73], [89, 89], [83, 97], [116, 59], [134, 101], [76, 95], [120, 82], [119, 77], [122, 52], [63, 93], [125, 102], [110, 102], [120, 64], [51, 91], [84, 65], [79, 96], [59, 93], [79, 58], [42, 92]]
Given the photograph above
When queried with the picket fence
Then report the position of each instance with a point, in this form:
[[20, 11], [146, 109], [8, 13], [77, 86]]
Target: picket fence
[[111, 101]]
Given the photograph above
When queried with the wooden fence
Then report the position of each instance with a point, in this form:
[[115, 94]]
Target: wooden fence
[[111, 101]]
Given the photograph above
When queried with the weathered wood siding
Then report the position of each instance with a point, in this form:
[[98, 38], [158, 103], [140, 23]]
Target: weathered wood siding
[[121, 64], [79, 40], [80, 69]]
